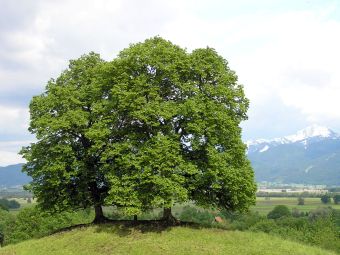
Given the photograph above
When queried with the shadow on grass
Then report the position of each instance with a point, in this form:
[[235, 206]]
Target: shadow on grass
[[127, 227]]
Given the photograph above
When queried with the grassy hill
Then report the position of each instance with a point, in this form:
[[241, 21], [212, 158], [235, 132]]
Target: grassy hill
[[113, 239]]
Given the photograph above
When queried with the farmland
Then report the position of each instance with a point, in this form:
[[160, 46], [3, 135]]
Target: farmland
[[263, 206]]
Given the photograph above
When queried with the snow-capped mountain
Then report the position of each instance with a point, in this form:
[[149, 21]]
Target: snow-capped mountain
[[302, 136], [312, 155], [311, 132]]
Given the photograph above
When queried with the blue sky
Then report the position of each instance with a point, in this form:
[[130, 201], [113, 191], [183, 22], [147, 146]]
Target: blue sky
[[285, 53]]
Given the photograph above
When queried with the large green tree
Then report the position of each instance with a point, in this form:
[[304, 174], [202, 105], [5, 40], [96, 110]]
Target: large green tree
[[184, 112], [155, 126], [67, 120]]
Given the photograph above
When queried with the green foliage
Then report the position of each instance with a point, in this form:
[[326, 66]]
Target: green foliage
[[336, 218], [153, 127], [296, 213], [194, 214], [64, 162], [32, 222], [321, 212], [278, 212], [7, 222], [3, 207], [336, 199], [242, 221], [326, 199], [186, 109], [321, 231], [265, 226]]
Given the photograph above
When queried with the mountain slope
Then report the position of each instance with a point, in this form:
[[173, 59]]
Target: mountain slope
[[12, 176], [311, 156], [108, 239]]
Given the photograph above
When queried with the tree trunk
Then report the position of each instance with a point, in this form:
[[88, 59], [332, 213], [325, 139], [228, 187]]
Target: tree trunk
[[168, 217], [99, 215], [135, 218]]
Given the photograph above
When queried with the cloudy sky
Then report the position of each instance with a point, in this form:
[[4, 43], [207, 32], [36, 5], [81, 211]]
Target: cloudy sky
[[286, 53]]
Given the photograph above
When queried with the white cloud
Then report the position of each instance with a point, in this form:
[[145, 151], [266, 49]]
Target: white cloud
[[9, 152], [298, 66], [13, 120], [10, 158], [14, 146], [290, 56]]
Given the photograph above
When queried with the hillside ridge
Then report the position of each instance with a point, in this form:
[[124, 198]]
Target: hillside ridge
[[108, 239]]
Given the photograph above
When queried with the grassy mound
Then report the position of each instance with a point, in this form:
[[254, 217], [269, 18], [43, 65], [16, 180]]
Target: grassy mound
[[117, 239]]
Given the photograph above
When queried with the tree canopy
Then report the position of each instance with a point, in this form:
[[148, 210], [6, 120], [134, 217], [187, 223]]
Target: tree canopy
[[336, 199], [155, 126], [326, 198], [278, 212]]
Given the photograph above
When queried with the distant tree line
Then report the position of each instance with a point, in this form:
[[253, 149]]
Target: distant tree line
[[287, 194], [327, 198], [334, 189], [16, 193], [8, 204]]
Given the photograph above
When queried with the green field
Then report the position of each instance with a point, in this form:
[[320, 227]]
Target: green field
[[264, 206], [108, 239]]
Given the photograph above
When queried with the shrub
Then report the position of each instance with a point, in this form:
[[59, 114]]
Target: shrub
[[301, 201], [266, 226], [325, 199], [278, 212], [4, 208], [242, 221], [32, 222], [321, 212], [321, 231], [7, 222], [336, 199], [296, 213], [193, 214]]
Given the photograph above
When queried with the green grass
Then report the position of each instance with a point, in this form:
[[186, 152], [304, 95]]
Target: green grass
[[264, 206], [109, 239]]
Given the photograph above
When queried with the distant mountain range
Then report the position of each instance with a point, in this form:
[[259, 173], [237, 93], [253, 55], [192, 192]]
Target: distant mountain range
[[12, 176], [311, 156]]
